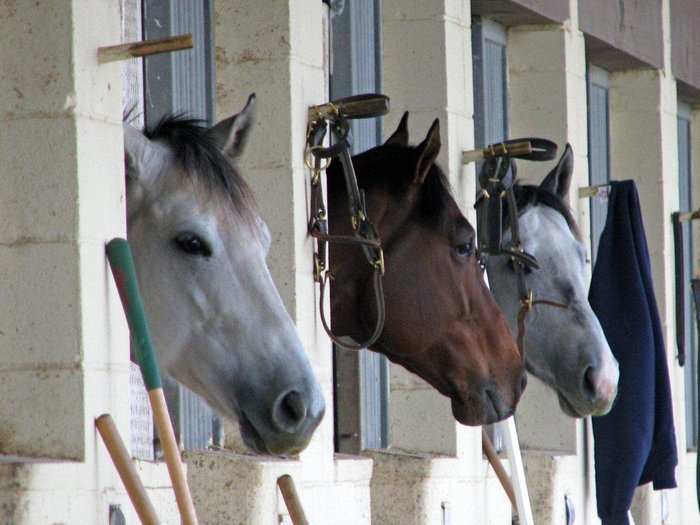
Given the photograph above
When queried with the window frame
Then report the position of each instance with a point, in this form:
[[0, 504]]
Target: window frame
[[598, 87], [685, 201]]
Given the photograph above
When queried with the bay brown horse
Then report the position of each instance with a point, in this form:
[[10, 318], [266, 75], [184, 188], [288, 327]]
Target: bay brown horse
[[441, 321]]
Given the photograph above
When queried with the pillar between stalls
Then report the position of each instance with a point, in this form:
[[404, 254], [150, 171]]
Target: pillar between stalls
[[434, 471], [547, 93], [276, 50], [644, 148], [546, 84], [62, 199], [427, 71], [64, 350]]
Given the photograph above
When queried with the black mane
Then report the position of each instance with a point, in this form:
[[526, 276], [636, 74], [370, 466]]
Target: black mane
[[530, 195], [201, 158]]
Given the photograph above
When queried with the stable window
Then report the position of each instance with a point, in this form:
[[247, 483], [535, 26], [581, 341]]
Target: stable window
[[490, 82], [598, 147], [686, 204], [361, 379], [182, 82], [490, 105]]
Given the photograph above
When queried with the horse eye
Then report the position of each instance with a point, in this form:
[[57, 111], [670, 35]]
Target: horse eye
[[192, 244], [465, 249]]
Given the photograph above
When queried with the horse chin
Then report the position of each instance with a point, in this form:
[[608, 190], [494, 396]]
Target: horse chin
[[567, 407], [484, 414], [251, 437]]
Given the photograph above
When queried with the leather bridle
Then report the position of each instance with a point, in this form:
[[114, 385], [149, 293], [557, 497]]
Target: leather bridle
[[497, 180], [334, 117]]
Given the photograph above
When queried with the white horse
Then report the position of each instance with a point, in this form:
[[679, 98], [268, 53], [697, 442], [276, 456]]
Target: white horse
[[564, 347], [218, 322]]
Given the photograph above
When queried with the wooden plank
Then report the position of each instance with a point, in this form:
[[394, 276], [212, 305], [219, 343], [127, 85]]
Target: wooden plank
[[510, 438], [144, 48]]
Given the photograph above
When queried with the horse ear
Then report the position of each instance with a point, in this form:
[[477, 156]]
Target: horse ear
[[558, 180], [138, 151], [427, 151], [230, 134], [400, 136]]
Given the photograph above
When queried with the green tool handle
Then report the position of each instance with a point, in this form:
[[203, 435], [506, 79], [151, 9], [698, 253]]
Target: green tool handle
[[122, 264]]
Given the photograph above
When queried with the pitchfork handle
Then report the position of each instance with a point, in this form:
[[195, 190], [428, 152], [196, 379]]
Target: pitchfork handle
[[122, 263]]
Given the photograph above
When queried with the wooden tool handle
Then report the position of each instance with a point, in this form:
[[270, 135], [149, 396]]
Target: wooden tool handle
[[291, 499], [144, 48], [122, 263], [495, 462], [127, 472], [171, 451]]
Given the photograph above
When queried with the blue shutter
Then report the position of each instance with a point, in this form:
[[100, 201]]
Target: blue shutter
[[685, 204], [598, 147], [182, 82], [490, 82], [355, 69]]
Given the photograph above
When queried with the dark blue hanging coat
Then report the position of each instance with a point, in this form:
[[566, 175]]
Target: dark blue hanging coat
[[635, 443]]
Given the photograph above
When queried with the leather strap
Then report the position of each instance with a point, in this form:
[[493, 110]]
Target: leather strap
[[695, 286], [525, 307], [497, 180], [367, 105], [680, 285], [364, 235]]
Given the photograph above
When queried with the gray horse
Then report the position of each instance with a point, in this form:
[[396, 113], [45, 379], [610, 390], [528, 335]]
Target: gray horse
[[218, 322], [564, 347]]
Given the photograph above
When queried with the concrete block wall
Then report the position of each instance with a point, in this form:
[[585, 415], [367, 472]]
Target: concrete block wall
[[277, 51], [62, 336], [63, 343], [434, 471]]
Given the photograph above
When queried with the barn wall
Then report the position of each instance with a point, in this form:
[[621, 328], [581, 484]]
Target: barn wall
[[63, 345], [62, 336]]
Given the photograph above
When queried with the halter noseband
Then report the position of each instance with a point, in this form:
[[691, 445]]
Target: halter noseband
[[334, 116], [497, 181]]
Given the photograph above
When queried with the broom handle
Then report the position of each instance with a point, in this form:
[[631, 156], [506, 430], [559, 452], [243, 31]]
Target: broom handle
[[122, 264], [497, 466], [127, 472], [291, 499]]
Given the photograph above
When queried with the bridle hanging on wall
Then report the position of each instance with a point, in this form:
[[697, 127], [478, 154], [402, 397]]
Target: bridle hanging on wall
[[333, 116], [496, 182]]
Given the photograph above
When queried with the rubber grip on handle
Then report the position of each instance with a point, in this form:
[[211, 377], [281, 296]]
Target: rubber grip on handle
[[122, 263]]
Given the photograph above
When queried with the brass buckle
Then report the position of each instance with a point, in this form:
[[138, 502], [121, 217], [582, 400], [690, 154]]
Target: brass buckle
[[527, 302], [379, 261], [309, 160], [358, 218], [325, 111], [319, 267]]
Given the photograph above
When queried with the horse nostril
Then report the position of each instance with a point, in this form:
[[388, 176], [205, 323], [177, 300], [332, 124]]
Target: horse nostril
[[589, 383], [523, 383], [289, 411]]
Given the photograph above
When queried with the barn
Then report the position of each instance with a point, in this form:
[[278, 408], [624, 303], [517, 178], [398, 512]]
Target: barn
[[618, 81]]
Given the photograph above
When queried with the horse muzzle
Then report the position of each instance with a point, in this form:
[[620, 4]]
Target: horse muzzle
[[488, 405], [284, 426]]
